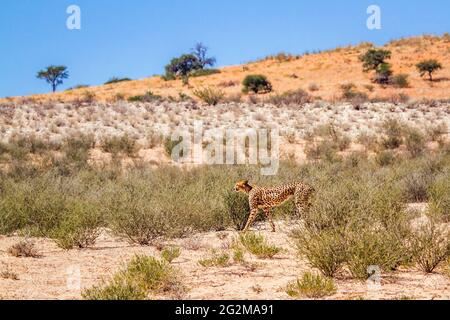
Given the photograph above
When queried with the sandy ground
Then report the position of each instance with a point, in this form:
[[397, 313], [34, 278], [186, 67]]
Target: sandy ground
[[55, 274]]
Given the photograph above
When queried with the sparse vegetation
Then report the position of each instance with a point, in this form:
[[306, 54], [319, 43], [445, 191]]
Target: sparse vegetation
[[171, 253], [257, 245], [209, 95], [428, 67], [24, 249], [311, 286], [256, 84], [114, 80], [142, 277], [219, 260]]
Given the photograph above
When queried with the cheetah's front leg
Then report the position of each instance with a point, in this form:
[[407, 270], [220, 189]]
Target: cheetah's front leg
[[251, 218]]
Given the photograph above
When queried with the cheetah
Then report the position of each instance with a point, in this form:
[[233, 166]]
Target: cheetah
[[268, 198]]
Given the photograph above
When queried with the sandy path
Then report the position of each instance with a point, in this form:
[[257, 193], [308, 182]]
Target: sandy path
[[54, 276]]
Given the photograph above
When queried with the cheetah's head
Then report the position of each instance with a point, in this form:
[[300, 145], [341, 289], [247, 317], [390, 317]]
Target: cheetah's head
[[242, 186]]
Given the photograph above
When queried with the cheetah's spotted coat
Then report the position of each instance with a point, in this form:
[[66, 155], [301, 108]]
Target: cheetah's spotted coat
[[268, 198]]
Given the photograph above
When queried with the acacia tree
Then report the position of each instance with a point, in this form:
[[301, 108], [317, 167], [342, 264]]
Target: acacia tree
[[54, 75], [428, 66], [200, 52], [375, 59], [182, 67]]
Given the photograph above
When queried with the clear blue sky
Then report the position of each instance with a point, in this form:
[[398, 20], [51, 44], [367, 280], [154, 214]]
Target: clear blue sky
[[136, 38]]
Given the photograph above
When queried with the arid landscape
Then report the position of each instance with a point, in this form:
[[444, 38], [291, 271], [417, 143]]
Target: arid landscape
[[92, 205]]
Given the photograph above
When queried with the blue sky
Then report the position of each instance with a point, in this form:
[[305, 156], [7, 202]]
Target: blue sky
[[136, 38]]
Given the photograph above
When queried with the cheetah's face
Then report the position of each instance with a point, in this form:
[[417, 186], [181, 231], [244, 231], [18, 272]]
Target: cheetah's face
[[241, 186]]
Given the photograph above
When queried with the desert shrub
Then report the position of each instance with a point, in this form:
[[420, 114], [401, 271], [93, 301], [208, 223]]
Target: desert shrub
[[149, 96], [385, 158], [76, 150], [415, 142], [350, 93], [313, 87], [170, 144], [204, 72], [295, 97], [80, 225], [123, 144], [324, 250], [430, 246], [257, 245], [373, 58], [24, 249], [238, 208], [439, 193], [114, 80], [238, 255], [311, 286], [119, 288], [400, 81], [210, 95], [393, 131], [383, 74], [368, 248], [143, 276], [256, 84], [215, 260], [171, 253]]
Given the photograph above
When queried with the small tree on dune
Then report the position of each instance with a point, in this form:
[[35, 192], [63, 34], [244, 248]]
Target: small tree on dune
[[428, 66], [182, 67], [54, 75], [373, 58], [200, 52]]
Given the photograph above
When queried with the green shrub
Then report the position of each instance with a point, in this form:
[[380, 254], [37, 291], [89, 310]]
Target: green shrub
[[210, 95], [311, 286], [204, 72], [119, 288], [143, 276], [171, 253], [393, 131], [385, 158], [148, 97], [256, 84], [400, 81], [440, 197], [430, 247], [80, 225], [257, 245], [324, 250], [238, 208], [220, 260], [114, 80], [368, 248]]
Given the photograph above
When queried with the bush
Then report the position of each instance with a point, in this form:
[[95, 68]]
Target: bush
[[415, 142], [80, 225], [428, 67], [117, 80], [216, 260], [325, 250], [400, 81], [24, 249], [439, 193], [210, 95], [368, 248], [143, 276], [385, 158], [116, 145], [256, 84], [238, 208], [311, 286], [171, 253], [393, 131], [297, 97], [430, 247], [204, 72], [257, 245], [148, 97]]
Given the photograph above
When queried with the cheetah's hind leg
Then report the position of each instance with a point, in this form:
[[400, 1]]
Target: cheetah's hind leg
[[269, 217]]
